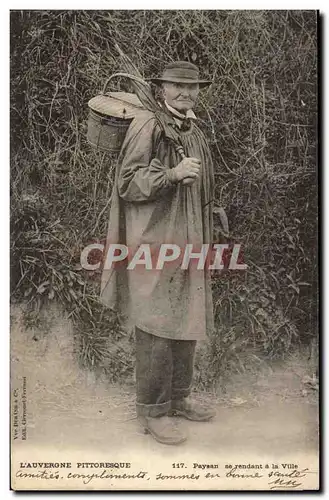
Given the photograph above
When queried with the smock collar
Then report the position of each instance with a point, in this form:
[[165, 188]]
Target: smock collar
[[178, 117]]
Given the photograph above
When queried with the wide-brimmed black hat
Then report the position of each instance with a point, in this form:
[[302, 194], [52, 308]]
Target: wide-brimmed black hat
[[181, 72]]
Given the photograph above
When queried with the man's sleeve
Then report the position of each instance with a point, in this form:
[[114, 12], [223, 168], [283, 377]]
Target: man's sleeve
[[142, 177]]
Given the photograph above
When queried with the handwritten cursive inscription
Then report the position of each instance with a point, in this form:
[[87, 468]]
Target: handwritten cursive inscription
[[286, 480]]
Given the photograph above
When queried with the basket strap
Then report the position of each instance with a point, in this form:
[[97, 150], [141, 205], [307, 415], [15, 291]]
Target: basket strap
[[126, 75]]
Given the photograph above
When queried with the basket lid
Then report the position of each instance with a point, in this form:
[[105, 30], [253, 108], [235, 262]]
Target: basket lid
[[117, 104]]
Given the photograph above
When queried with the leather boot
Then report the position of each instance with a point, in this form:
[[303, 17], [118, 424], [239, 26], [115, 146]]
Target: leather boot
[[191, 411], [163, 429]]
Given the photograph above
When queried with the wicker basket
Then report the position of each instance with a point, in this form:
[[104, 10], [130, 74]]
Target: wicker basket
[[110, 115]]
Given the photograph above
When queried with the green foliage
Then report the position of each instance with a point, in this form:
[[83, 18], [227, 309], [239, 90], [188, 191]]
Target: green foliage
[[260, 119]]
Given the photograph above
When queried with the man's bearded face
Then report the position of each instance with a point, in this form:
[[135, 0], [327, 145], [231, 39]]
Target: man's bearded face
[[181, 96]]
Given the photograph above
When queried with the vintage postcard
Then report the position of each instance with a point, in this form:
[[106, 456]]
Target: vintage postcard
[[164, 242]]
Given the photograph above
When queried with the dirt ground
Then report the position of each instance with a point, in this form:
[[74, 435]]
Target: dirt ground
[[274, 410]]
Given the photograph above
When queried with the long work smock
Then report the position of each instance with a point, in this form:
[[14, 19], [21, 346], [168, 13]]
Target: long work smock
[[148, 208]]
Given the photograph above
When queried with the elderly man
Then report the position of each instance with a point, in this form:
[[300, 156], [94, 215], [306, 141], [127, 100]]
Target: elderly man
[[161, 198]]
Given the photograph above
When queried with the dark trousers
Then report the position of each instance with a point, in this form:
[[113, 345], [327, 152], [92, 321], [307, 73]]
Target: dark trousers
[[164, 371]]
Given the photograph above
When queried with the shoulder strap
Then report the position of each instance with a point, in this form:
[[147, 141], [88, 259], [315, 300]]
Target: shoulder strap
[[166, 124]]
